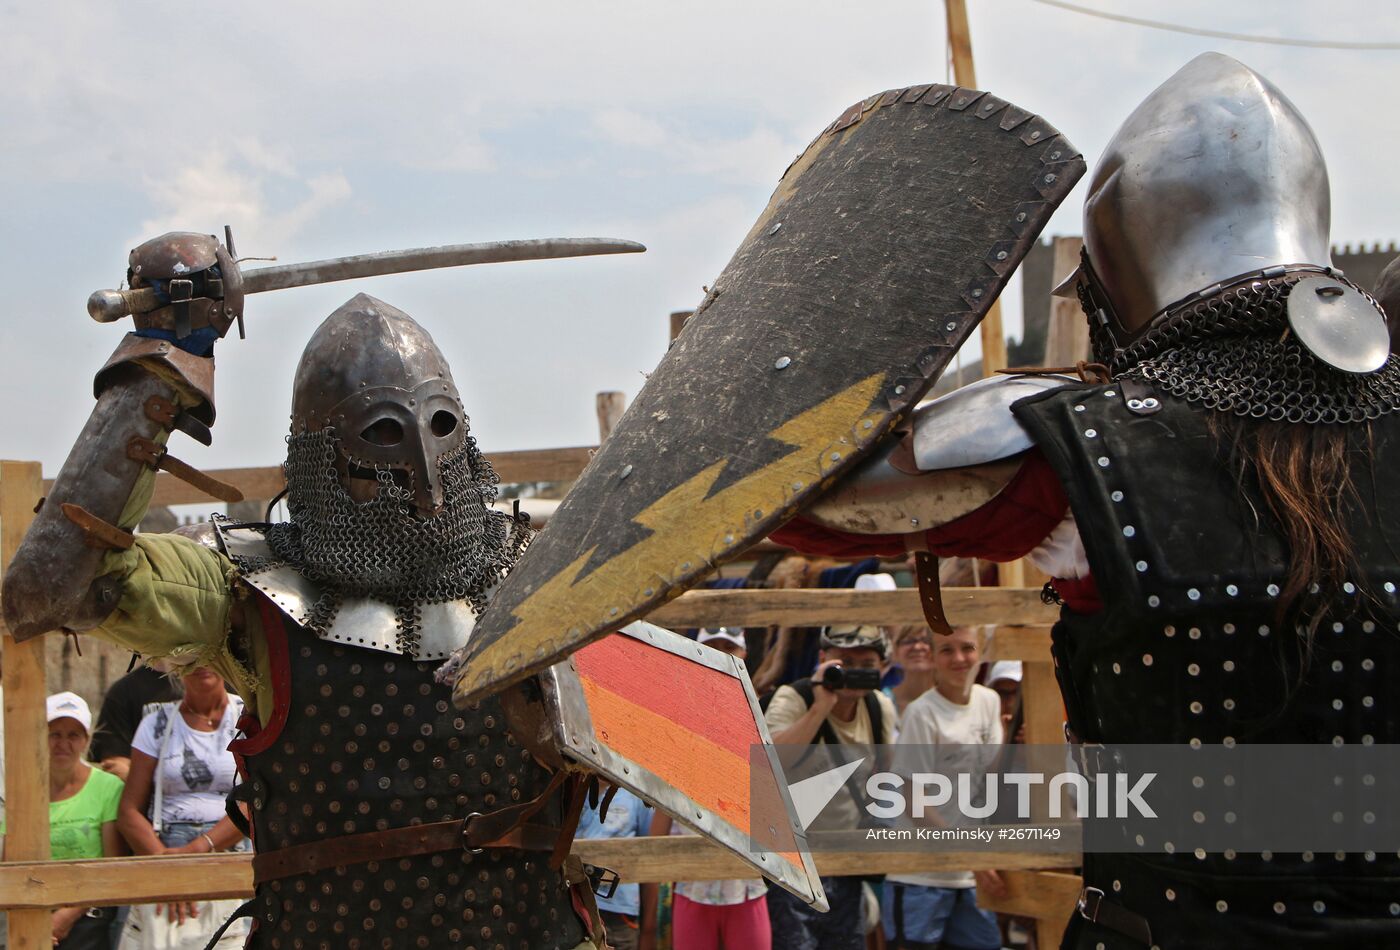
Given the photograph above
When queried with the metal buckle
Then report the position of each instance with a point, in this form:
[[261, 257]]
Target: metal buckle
[[599, 878], [1089, 900], [466, 826]]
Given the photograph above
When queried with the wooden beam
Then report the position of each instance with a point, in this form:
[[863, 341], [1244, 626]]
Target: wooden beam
[[964, 74], [1028, 644], [263, 483], [109, 881], [611, 406], [960, 42], [1067, 338], [815, 608], [1044, 895], [26, 727]]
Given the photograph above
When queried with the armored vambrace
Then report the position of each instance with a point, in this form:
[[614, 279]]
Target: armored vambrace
[[145, 391]]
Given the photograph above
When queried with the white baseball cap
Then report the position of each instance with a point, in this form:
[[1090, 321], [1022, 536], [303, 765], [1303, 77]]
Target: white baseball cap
[[1005, 670], [70, 706], [734, 635], [876, 582]]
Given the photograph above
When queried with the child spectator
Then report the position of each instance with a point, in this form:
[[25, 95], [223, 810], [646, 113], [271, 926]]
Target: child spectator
[[627, 817]]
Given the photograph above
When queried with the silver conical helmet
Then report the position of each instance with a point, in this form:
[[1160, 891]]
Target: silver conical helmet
[[376, 377], [1215, 178]]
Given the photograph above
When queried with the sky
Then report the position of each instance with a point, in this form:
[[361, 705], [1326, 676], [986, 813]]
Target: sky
[[318, 129]]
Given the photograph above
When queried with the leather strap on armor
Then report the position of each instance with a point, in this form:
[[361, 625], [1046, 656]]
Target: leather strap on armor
[[99, 534], [481, 829], [392, 844], [141, 449], [930, 593], [585, 904], [503, 828], [1094, 908]]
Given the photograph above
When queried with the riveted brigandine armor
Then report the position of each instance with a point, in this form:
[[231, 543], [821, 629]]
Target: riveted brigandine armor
[[366, 595], [1208, 285]]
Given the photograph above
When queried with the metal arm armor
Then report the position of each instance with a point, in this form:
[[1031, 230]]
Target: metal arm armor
[[53, 581], [956, 454]]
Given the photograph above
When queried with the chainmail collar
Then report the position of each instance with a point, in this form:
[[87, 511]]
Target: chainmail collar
[[381, 549], [1233, 352]]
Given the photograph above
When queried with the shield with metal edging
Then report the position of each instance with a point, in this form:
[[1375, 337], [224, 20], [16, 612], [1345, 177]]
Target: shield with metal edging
[[677, 723], [881, 249]]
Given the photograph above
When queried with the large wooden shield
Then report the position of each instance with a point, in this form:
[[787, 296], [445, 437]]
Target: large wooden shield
[[678, 724], [883, 246]]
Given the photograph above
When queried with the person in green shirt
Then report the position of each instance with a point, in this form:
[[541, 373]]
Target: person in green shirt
[[82, 817]]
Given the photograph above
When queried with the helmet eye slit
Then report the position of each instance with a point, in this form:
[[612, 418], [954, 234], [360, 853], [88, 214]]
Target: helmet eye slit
[[385, 432], [443, 423]]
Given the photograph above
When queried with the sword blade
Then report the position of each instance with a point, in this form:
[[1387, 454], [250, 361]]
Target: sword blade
[[283, 276]]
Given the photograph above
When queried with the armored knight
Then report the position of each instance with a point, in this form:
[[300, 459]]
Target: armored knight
[[1215, 508], [382, 816]]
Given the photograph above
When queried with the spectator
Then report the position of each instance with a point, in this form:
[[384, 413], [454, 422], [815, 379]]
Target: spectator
[[627, 817], [1005, 678], [708, 915], [711, 915], [181, 774], [127, 700], [82, 817], [928, 910], [809, 712], [913, 654], [729, 640]]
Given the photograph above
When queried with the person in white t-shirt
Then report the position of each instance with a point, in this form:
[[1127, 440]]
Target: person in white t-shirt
[[923, 911], [181, 773]]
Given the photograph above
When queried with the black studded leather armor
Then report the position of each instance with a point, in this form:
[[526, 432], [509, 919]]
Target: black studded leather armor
[[1188, 648], [371, 742]]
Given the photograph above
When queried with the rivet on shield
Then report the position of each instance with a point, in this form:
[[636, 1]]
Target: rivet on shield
[[648, 592], [783, 362], [899, 390], [626, 470], [950, 326], [776, 228]]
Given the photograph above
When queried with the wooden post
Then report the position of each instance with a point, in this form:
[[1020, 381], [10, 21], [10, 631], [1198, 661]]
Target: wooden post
[[26, 729], [965, 75], [611, 406], [1067, 339]]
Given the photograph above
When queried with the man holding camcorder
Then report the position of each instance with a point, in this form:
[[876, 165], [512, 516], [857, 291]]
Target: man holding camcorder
[[840, 704]]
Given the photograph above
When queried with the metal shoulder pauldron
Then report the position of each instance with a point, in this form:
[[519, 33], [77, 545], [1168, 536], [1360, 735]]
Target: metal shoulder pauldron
[[360, 621]]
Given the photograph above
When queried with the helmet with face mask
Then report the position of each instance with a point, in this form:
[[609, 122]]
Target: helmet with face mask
[[388, 494], [1206, 267]]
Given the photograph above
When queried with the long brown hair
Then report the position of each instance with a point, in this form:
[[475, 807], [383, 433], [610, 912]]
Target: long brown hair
[[1304, 475]]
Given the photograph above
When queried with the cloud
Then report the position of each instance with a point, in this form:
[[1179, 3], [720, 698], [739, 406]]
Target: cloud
[[234, 191], [747, 159]]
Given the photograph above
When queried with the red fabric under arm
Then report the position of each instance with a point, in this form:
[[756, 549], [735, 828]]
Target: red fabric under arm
[[1004, 529]]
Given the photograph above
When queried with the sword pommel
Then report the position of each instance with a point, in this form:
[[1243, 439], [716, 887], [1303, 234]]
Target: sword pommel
[[109, 306]]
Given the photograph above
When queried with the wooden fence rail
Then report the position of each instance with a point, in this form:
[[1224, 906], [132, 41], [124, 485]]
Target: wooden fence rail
[[109, 881]]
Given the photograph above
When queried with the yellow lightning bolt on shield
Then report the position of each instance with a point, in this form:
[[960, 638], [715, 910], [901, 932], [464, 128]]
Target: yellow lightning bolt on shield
[[691, 533]]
